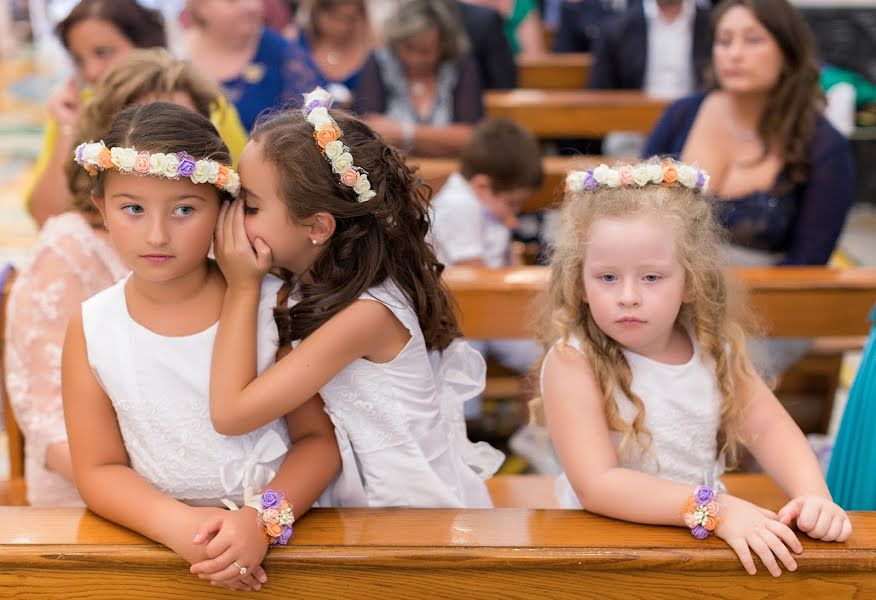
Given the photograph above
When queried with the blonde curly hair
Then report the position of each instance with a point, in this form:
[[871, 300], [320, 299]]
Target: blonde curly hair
[[718, 329]]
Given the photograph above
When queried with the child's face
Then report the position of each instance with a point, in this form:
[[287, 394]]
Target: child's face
[[162, 228], [505, 205], [267, 217], [633, 281]]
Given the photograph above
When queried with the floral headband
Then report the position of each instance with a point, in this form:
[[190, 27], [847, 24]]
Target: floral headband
[[327, 135], [95, 156], [668, 172]]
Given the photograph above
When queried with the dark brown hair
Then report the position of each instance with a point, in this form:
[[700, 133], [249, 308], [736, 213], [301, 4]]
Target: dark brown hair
[[788, 123], [144, 27], [167, 128], [505, 152], [383, 238], [305, 15], [143, 73]]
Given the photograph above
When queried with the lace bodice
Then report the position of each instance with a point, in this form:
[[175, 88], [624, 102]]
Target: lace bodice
[[159, 388], [400, 425], [683, 414], [70, 262]]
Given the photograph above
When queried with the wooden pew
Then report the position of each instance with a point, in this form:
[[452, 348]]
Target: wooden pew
[[416, 553], [576, 113], [789, 301], [436, 170], [537, 491], [554, 71]]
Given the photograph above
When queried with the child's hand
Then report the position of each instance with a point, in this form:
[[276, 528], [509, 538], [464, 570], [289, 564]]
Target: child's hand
[[236, 537], [743, 525], [64, 105], [181, 543], [242, 263], [818, 517]]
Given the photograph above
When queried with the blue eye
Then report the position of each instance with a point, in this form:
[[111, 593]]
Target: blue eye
[[133, 209], [608, 278], [183, 211], [652, 278]]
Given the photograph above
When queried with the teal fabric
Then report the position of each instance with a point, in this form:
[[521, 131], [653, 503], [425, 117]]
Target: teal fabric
[[851, 476]]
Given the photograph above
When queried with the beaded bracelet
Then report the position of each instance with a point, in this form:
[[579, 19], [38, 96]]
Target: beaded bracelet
[[276, 517], [701, 512]]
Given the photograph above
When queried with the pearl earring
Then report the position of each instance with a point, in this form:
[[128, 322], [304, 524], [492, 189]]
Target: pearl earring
[[314, 242]]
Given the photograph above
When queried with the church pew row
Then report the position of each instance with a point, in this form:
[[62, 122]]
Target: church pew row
[[551, 114], [787, 301], [554, 71], [435, 171], [418, 553]]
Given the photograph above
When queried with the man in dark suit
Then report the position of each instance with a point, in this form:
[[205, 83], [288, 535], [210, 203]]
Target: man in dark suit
[[621, 57], [579, 23], [489, 46]]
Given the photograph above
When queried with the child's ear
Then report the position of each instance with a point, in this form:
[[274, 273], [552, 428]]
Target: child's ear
[[100, 204], [322, 227], [481, 184]]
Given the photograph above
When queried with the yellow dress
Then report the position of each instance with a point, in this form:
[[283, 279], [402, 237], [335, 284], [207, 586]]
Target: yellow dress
[[223, 115]]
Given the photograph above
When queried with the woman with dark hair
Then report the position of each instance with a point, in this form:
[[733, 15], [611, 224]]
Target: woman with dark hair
[[335, 40], [783, 174], [422, 91], [99, 34]]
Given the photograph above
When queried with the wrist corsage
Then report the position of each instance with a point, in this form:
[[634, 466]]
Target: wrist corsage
[[701, 512], [276, 516]]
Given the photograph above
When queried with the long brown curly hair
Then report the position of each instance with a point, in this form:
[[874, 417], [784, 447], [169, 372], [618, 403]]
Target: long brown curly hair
[[788, 123], [565, 313], [382, 238]]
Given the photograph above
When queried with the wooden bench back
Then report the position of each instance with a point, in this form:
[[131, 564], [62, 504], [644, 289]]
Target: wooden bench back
[[395, 553], [576, 113], [554, 71], [788, 301]]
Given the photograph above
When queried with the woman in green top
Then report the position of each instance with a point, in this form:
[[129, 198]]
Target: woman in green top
[[523, 26], [98, 34]]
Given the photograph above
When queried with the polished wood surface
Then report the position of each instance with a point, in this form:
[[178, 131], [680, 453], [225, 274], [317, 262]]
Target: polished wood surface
[[537, 491], [576, 113], [436, 170], [380, 553], [554, 71], [787, 301]]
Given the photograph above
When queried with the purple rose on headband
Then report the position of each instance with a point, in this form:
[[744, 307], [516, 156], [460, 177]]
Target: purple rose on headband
[[701, 179], [700, 532], [79, 149], [704, 494], [186, 164], [271, 499], [285, 536], [590, 182], [315, 103]]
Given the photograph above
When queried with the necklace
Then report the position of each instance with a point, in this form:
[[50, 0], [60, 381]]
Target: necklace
[[741, 135]]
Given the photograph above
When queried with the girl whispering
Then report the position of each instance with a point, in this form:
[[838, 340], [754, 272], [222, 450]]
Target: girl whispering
[[646, 366], [136, 360], [369, 321]]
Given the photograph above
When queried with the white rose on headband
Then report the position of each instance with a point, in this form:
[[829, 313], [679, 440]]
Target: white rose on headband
[[123, 158], [575, 181], [362, 185], [367, 195], [342, 163], [90, 153], [319, 95], [334, 149], [156, 163], [318, 116], [233, 185], [641, 176], [687, 176], [171, 166], [612, 178], [212, 171], [655, 173], [600, 174], [202, 171]]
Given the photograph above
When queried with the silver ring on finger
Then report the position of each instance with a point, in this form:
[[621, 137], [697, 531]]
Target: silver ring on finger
[[243, 570]]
